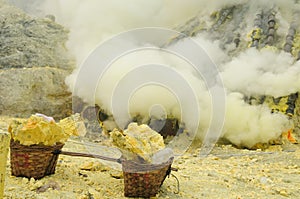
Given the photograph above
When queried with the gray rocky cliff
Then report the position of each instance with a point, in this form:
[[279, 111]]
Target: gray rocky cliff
[[33, 65]]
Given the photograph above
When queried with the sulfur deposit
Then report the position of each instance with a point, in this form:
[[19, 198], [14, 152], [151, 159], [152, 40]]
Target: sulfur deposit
[[73, 125], [4, 143], [138, 140], [40, 129]]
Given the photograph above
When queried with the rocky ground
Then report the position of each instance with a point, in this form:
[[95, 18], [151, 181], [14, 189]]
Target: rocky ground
[[227, 172], [33, 80]]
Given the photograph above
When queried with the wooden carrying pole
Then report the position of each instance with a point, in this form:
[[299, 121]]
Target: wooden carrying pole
[[118, 160], [4, 147]]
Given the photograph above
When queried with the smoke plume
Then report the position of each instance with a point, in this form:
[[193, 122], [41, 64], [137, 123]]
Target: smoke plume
[[251, 72]]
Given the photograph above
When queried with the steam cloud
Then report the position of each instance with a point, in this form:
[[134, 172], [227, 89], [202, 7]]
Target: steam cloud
[[251, 72]]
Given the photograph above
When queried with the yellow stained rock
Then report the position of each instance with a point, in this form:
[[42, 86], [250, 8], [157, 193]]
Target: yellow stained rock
[[40, 129], [73, 125], [93, 166], [138, 140], [296, 45], [4, 146]]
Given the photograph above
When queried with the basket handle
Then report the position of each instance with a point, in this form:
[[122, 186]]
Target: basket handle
[[58, 151]]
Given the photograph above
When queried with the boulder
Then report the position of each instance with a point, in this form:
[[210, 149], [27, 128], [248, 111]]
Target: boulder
[[31, 90]]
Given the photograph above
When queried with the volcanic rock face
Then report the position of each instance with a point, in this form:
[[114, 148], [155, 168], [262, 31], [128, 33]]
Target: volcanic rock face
[[25, 91], [244, 26], [31, 42], [33, 65]]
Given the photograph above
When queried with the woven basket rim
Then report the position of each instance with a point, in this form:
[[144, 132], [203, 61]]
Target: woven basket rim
[[131, 166], [16, 145]]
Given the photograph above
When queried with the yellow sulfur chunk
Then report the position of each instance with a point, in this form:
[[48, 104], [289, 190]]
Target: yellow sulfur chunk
[[40, 129], [140, 140], [72, 125]]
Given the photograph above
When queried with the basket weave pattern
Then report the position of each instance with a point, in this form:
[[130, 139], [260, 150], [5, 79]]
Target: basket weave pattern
[[144, 180], [34, 161]]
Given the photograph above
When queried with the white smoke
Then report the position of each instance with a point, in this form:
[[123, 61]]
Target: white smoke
[[262, 73], [93, 21], [252, 72], [247, 125]]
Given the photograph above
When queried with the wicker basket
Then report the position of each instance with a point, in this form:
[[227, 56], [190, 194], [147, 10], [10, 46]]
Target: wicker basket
[[140, 180], [144, 180], [34, 161]]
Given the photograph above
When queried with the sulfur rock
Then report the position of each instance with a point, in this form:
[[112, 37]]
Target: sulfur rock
[[41, 129], [138, 140], [73, 125]]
